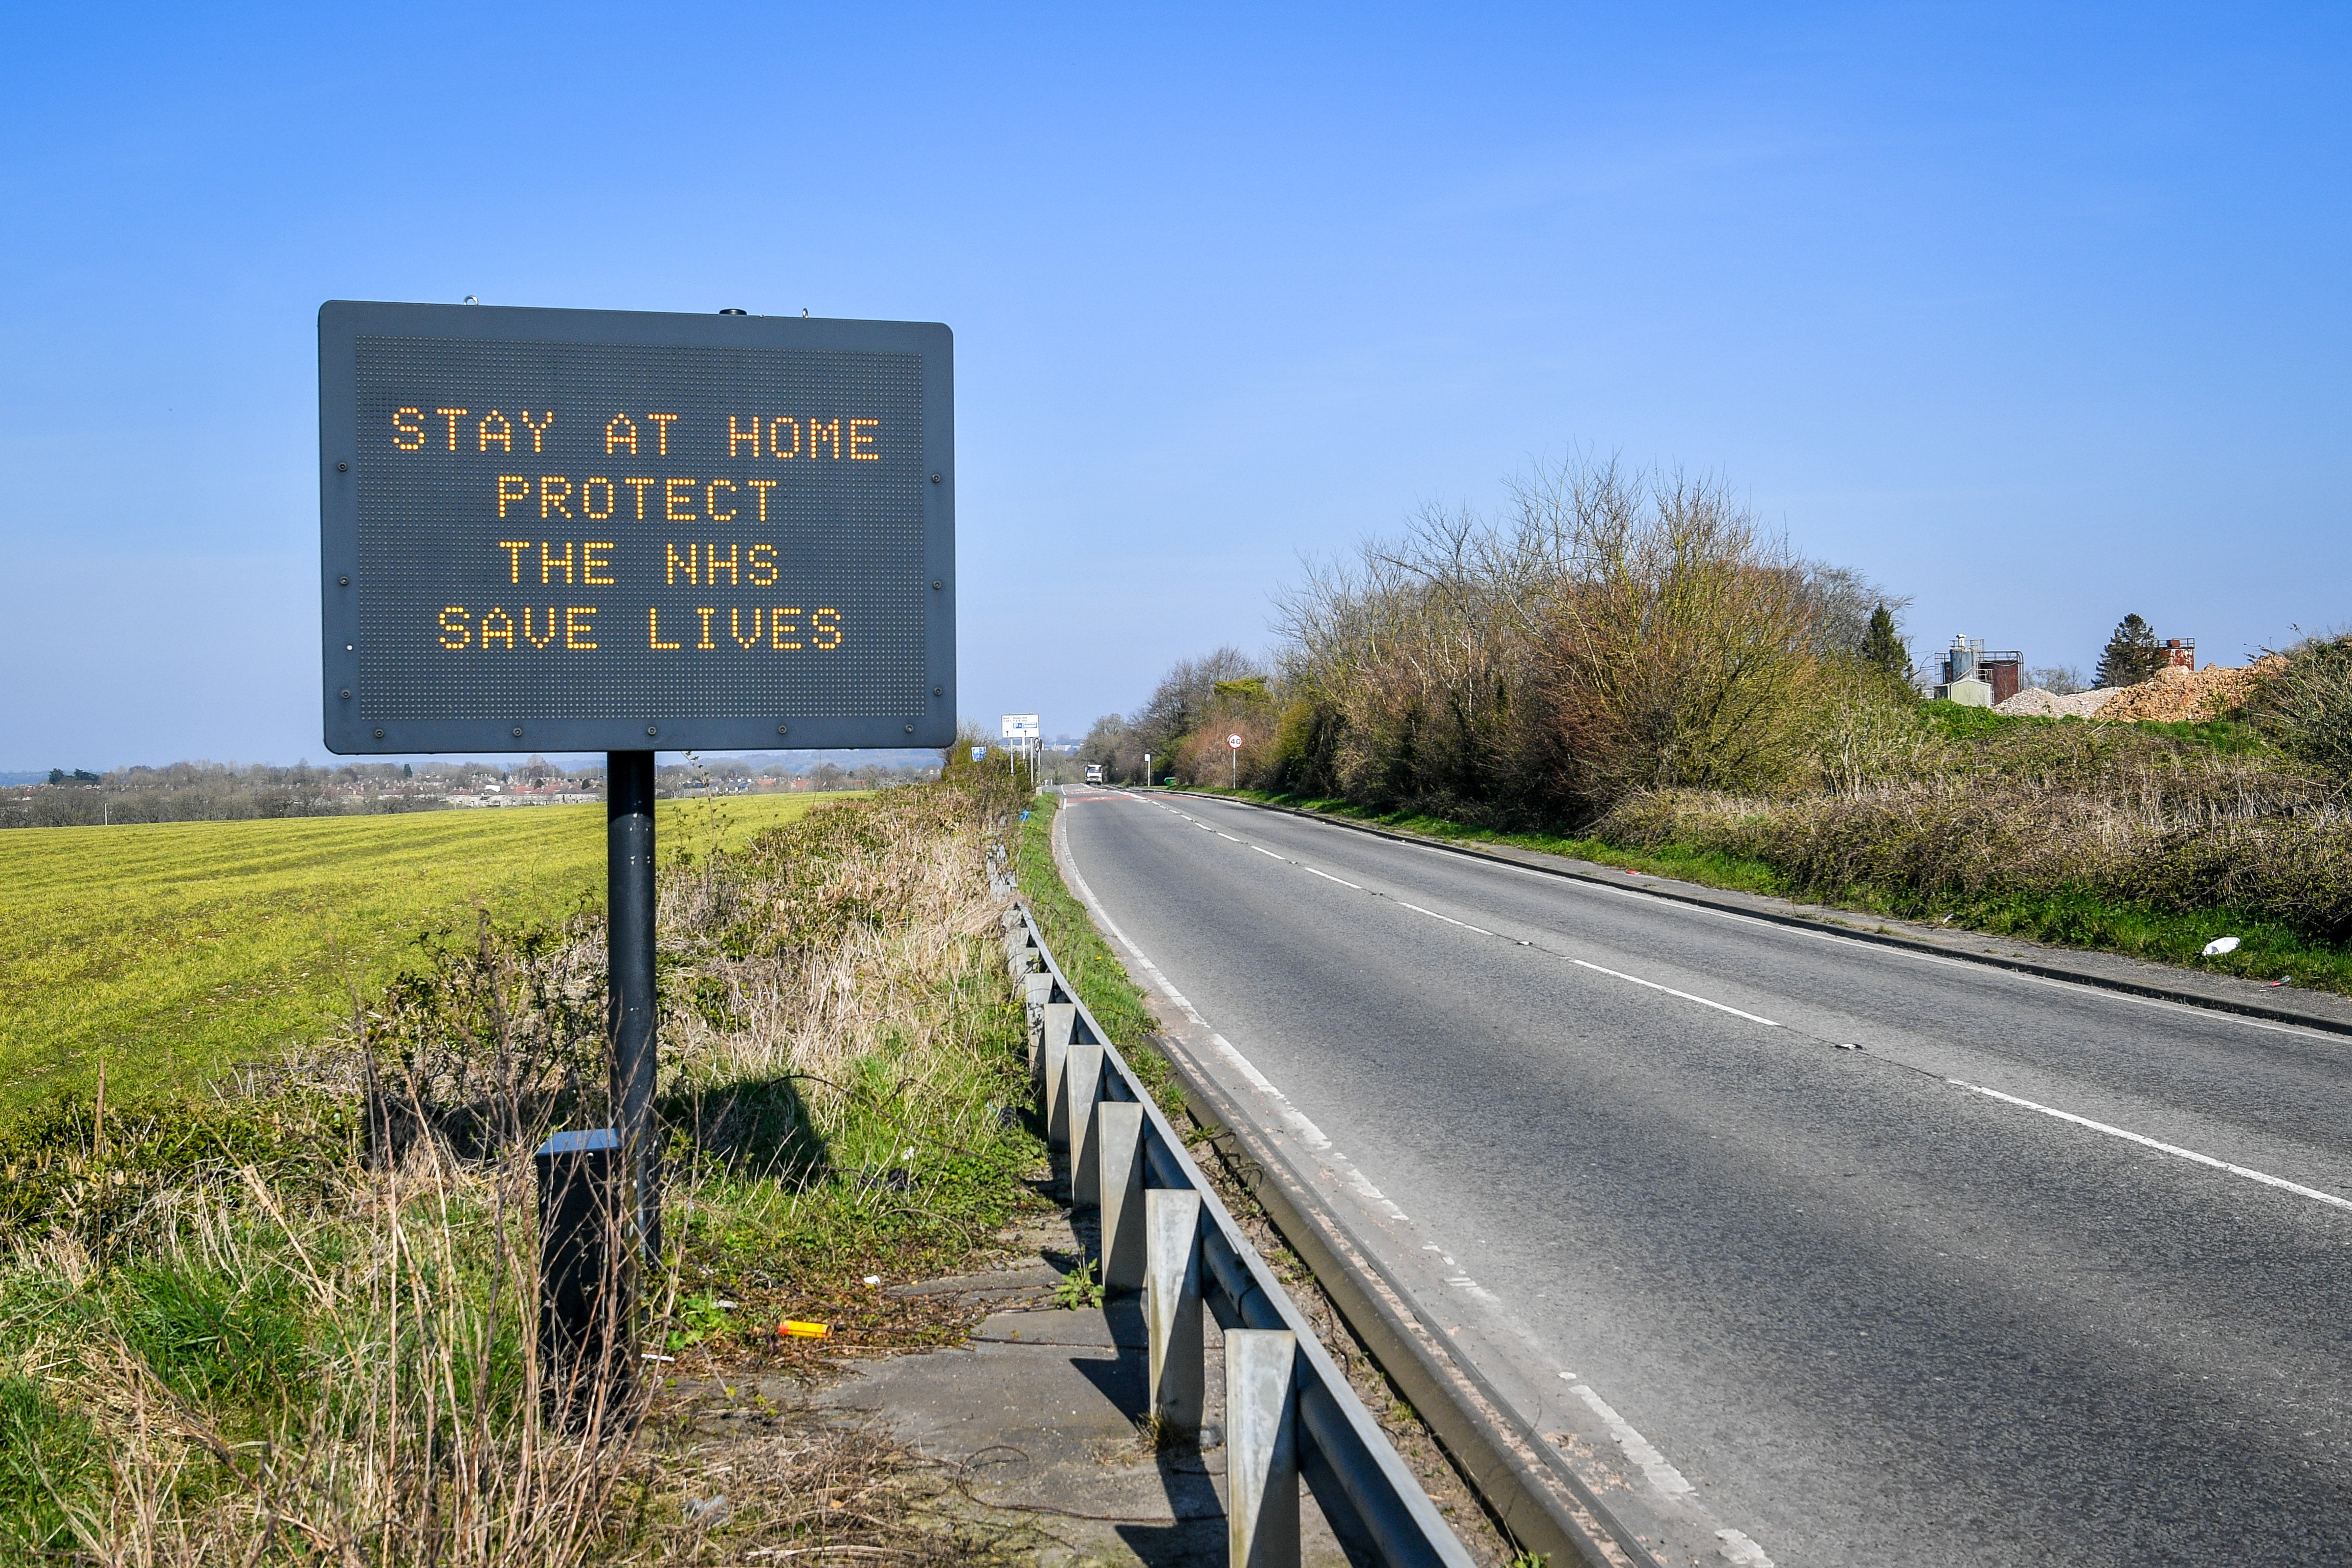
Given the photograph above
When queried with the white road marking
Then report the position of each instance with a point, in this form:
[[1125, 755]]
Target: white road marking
[[1654, 1465], [2246, 1172], [1670, 991], [1660, 1473], [1482, 931], [1291, 1117], [1449, 920], [1848, 939], [2146, 1141]]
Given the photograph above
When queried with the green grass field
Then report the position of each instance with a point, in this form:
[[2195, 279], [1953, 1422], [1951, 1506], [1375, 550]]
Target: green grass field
[[179, 950]]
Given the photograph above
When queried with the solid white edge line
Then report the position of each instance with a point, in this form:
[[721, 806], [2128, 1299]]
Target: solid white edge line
[[1290, 1115], [2142, 1139], [2176, 1150], [1662, 1474]]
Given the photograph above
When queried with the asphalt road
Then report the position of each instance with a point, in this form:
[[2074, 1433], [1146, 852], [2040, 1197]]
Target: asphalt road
[[1874, 1315]]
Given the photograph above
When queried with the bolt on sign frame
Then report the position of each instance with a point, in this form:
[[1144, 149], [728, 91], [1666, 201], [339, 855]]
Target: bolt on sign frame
[[612, 530]]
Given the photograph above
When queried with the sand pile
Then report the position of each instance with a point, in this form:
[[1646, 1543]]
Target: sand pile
[[2035, 703]]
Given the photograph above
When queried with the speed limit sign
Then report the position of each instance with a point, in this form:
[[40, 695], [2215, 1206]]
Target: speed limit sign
[[1235, 742]]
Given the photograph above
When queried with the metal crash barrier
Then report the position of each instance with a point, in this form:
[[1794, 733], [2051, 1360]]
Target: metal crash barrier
[[1289, 1411]]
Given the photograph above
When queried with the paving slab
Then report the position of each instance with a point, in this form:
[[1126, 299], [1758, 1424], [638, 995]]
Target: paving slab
[[1037, 1418]]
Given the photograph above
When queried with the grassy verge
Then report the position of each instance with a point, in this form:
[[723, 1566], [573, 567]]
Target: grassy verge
[[177, 950], [1116, 1003], [2268, 949], [299, 1325]]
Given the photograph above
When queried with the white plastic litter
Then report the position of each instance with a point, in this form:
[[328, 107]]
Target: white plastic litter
[[2220, 944]]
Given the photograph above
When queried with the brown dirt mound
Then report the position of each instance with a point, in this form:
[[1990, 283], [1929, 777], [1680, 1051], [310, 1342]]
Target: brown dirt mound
[[2177, 695]]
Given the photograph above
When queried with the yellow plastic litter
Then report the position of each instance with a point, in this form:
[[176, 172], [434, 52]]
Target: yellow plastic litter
[[794, 1330]]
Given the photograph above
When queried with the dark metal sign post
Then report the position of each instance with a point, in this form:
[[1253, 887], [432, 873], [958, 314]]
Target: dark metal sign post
[[631, 1005], [545, 530]]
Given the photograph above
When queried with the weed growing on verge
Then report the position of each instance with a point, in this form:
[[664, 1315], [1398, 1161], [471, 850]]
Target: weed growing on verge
[[1079, 1288]]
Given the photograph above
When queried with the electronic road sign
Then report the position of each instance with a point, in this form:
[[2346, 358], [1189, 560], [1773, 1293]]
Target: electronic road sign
[[615, 530]]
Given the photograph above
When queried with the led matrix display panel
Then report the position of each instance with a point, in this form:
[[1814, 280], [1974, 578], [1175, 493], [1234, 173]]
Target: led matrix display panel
[[609, 530]]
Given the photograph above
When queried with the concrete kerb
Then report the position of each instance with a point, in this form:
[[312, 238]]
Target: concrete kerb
[[1753, 907], [1346, 1458]]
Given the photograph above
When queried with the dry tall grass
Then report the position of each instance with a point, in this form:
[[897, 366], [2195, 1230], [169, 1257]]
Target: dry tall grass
[[2103, 810]]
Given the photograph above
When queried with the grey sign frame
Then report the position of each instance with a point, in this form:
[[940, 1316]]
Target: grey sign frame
[[342, 322]]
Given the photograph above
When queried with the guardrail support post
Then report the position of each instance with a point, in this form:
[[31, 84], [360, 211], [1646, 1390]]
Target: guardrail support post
[[1057, 1098], [1056, 1018], [1118, 1159], [1085, 1065], [1172, 1305], [1260, 1448]]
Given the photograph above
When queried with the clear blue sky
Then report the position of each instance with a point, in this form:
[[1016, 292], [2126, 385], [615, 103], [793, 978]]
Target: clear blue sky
[[2039, 316]]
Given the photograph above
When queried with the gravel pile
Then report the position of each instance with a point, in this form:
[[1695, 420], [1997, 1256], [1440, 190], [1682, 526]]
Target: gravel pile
[[2035, 703]]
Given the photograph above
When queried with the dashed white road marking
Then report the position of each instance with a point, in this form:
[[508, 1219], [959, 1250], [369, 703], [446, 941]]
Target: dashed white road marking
[[1848, 939], [1482, 931], [2142, 1139], [1660, 1472], [1449, 920], [2245, 1172], [1670, 991]]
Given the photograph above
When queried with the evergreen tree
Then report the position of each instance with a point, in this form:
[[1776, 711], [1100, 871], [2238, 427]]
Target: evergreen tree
[[1882, 646], [2131, 655]]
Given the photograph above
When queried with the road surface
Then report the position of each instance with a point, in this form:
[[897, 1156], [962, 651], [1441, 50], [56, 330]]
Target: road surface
[[1924, 1301]]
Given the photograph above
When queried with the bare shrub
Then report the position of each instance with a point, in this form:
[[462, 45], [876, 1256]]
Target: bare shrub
[[1616, 631], [1681, 647]]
